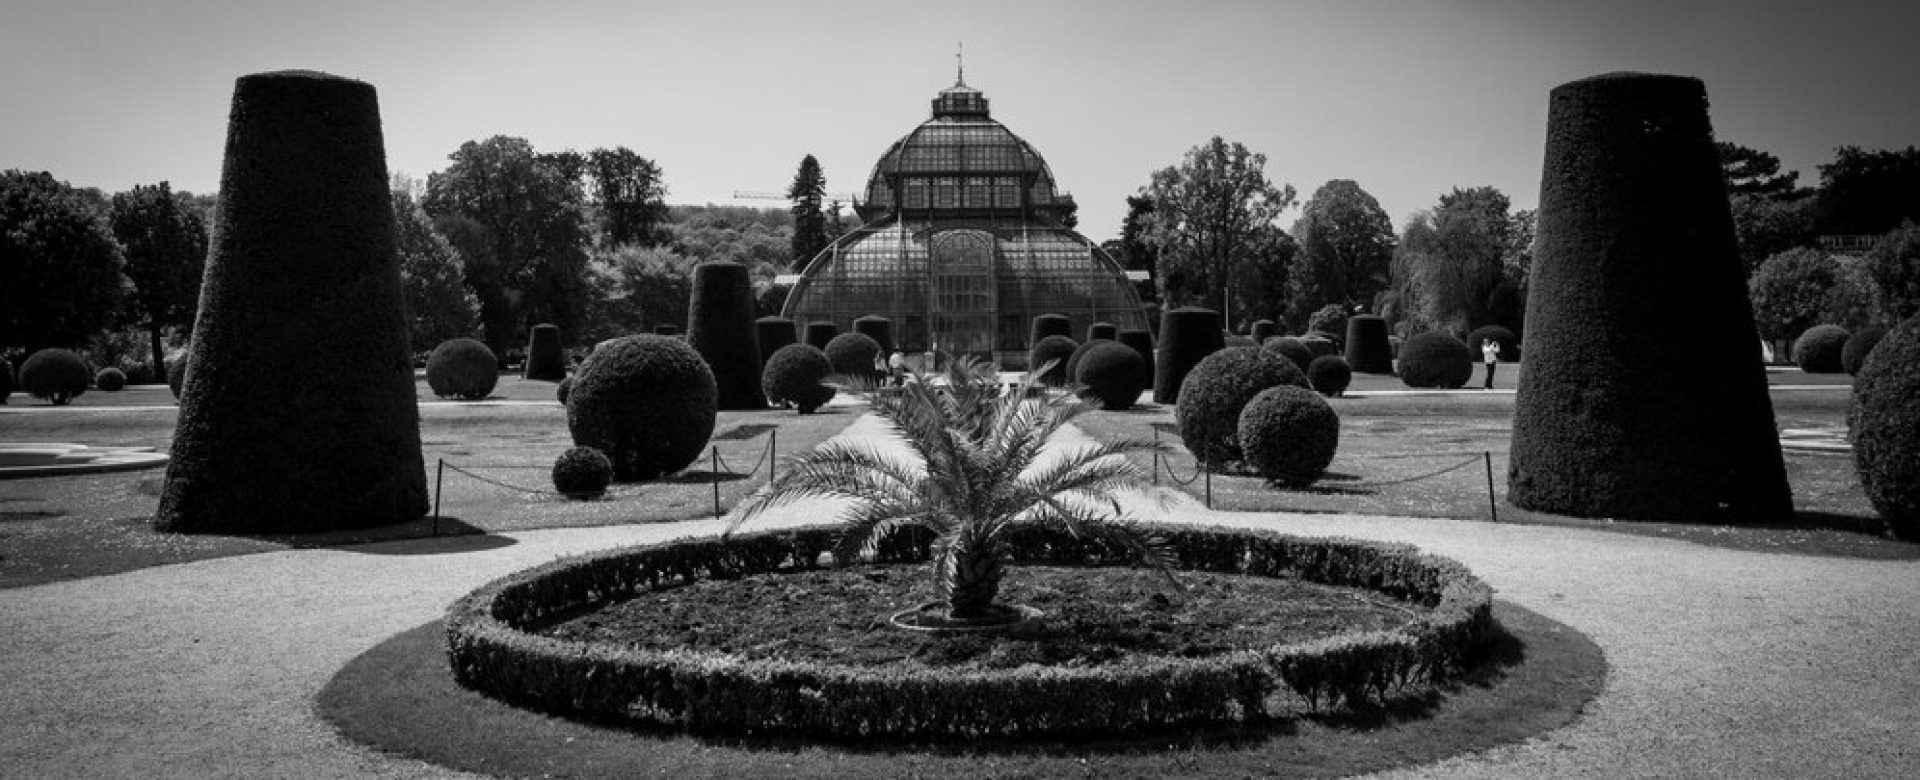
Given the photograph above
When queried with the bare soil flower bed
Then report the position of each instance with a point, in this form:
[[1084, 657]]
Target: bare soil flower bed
[[1091, 616]]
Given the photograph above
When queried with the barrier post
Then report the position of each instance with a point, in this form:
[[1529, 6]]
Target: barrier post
[[1493, 507], [1156, 457], [716, 480], [1209, 473], [773, 453], [439, 475]]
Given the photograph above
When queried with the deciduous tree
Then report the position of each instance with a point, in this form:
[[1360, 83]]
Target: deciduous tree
[[1207, 213], [1868, 193], [631, 197], [60, 280], [1346, 248], [439, 304], [164, 236]]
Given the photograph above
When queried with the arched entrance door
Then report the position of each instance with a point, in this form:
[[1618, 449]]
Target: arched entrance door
[[961, 302]]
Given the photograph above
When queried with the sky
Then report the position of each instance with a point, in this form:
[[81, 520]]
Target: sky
[[1408, 98]]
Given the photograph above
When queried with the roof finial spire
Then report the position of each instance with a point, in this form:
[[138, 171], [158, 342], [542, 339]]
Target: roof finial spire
[[960, 63]]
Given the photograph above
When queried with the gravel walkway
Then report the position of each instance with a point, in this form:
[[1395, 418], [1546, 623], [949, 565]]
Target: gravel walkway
[[1724, 663]]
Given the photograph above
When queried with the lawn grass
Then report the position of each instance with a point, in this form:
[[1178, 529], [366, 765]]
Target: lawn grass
[[69, 527], [1389, 437], [400, 698]]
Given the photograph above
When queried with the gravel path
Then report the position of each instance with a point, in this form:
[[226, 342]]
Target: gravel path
[[1724, 663]]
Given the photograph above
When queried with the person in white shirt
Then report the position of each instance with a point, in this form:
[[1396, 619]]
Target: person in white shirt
[[1490, 354]]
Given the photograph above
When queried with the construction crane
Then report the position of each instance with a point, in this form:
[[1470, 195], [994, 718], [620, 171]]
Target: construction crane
[[843, 197]]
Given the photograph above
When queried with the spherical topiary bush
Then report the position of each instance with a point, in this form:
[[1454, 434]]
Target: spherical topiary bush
[[1101, 331], [1330, 375], [563, 389], [852, 355], [582, 472], [1288, 435], [820, 334], [878, 328], [772, 333], [1049, 325], [110, 379], [795, 374], [56, 375], [1318, 344], [1054, 348], [1330, 320], [1187, 335], [1071, 369], [1859, 345], [300, 412], [1885, 424], [1142, 342], [720, 328], [1291, 348], [1368, 349], [1818, 350], [1435, 360], [1644, 397], [1509, 343], [649, 402], [1263, 330], [462, 368], [1113, 373], [546, 360], [1215, 392]]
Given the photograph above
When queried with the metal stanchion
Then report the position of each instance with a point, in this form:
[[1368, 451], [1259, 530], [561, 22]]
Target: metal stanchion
[[716, 480], [1209, 473], [773, 453], [1156, 456], [1493, 507], [439, 475]]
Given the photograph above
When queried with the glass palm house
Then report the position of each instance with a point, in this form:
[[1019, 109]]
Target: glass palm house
[[963, 245]]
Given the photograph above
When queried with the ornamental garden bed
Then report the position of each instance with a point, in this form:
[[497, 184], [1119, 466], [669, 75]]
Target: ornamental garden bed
[[562, 638]]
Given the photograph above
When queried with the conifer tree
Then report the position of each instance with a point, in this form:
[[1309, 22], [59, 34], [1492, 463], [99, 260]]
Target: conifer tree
[[809, 221]]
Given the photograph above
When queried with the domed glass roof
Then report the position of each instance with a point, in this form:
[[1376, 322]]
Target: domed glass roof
[[962, 163]]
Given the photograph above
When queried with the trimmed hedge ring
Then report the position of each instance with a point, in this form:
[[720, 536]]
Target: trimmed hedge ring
[[491, 651]]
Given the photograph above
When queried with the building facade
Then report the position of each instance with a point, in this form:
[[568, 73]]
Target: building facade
[[963, 244]]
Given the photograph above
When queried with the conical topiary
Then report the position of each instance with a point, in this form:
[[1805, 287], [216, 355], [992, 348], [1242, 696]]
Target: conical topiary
[[878, 328], [1049, 325], [772, 333], [546, 362], [1368, 350], [302, 282], [820, 334], [1187, 335], [1142, 342], [1643, 397], [1101, 331], [720, 328]]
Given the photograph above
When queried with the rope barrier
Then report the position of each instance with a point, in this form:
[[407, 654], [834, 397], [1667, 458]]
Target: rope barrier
[[498, 483], [765, 453], [1415, 478]]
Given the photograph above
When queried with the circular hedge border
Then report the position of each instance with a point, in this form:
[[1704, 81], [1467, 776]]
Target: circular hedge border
[[490, 651]]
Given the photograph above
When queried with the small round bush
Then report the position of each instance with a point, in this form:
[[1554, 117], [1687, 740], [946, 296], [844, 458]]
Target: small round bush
[[1057, 349], [794, 374], [1114, 374], [1818, 350], [110, 380], [582, 472], [1859, 345], [462, 368], [56, 375], [1329, 374], [1435, 360], [852, 355], [1071, 373], [1289, 435], [562, 390], [1291, 348], [1885, 424], [649, 402], [1509, 343], [1215, 392], [177, 375]]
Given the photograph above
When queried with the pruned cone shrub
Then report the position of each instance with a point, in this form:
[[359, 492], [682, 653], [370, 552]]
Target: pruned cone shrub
[[648, 402], [1048, 325], [1644, 397], [1884, 420], [546, 359], [582, 472], [300, 410], [1368, 349], [55, 375], [1330, 375], [1217, 390], [1818, 350], [1102, 331], [1142, 342], [820, 334], [720, 328], [1113, 373], [772, 333], [797, 374], [1289, 435], [878, 328], [462, 368], [1291, 348], [1058, 349], [1435, 360], [1187, 335], [1859, 345], [852, 356]]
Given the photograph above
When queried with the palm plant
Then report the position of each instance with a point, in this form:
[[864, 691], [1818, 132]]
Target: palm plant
[[977, 476]]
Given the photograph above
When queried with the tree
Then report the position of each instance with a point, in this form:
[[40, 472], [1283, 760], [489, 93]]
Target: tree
[[631, 197], [1133, 251], [518, 221], [1206, 213], [439, 304], [809, 223], [1346, 249], [1754, 172], [1894, 268], [1790, 292], [165, 240], [60, 267], [1868, 193], [1259, 280], [1454, 258]]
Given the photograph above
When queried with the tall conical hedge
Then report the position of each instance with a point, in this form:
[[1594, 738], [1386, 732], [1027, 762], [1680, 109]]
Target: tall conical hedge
[[1049, 325], [1102, 331], [299, 414], [772, 333], [878, 328], [820, 334], [1187, 335], [546, 360], [1643, 397], [1368, 350], [720, 328]]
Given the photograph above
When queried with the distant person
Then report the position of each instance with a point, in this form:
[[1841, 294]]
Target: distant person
[[1766, 352], [1490, 354], [897, 368]]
